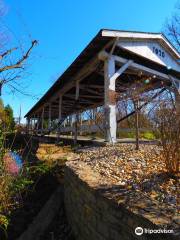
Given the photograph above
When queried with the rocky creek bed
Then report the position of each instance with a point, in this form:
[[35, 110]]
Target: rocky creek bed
[[139, 181]]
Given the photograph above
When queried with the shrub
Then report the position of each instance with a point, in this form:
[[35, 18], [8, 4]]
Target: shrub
[[168, 123], [148, 135]]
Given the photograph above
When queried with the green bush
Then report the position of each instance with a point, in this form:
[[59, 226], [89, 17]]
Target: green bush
[[20, 184], [148, 135], [122, 134]]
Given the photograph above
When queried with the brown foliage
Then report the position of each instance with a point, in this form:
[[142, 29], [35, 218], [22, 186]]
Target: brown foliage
[[169, 129]]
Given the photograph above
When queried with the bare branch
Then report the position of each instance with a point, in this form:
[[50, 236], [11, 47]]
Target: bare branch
[[172, 28], [20, 62], [7, 52]]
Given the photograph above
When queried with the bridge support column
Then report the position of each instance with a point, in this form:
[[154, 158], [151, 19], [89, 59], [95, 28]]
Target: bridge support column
[[80, 123], [60, 107], [31, 124], [49, 121], [109, 101], [28, 125], [71, 124], [110, 76], [42, 121], [34, 123], [59, 116], [76, 115], [38, 122]]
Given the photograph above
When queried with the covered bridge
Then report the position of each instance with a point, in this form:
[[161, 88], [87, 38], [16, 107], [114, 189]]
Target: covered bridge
[[110, 64]]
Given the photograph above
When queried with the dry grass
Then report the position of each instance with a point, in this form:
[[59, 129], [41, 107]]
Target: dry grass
[[50, 153], [5, 199]]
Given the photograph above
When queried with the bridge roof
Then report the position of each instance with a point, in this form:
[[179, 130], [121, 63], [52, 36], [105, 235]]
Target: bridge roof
[[105, 40]]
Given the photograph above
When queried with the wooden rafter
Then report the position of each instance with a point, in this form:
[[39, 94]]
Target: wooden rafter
[[84, 96]]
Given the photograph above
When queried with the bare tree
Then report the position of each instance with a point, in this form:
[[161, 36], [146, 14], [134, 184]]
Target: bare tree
[[11, 71], [172, 27], [12, 60]]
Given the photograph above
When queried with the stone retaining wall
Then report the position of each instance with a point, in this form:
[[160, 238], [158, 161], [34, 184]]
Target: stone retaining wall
[[93, 215]]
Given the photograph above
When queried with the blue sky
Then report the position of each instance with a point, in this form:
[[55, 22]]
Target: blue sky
[[64, 27]]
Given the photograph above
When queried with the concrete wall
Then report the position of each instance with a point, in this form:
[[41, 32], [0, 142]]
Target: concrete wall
[[93, 216]]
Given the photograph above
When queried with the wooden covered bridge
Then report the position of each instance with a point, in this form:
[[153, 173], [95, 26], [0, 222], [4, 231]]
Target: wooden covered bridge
[[105, 69]]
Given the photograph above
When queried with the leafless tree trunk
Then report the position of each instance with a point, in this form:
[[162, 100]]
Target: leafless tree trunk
[[136, 107]]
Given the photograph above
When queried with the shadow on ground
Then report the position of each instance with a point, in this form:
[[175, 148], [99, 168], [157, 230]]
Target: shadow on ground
[[35, 196]]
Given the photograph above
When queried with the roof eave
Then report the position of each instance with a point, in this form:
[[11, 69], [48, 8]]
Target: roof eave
[[141, 35]]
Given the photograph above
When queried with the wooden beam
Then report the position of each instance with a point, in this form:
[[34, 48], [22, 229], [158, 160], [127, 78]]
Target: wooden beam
[[84, 96], [87, 69], [147, 70], [90, 90], [121, 70], [92, 86]]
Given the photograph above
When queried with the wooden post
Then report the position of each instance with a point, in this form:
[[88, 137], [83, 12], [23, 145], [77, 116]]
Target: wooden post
[[60, 107], [80, 122], [71, 124], [136, 104], [76, 115], [49, 121], [110, 76], [109, 101], [38, 122], [34, 122], [42, 121], [31, 123], [94, 115], [28, 125], [60, 115]]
